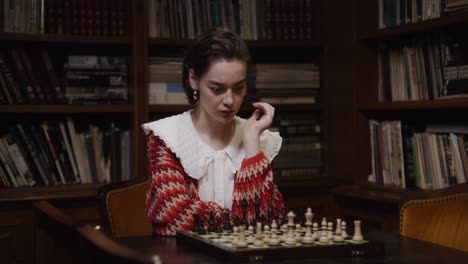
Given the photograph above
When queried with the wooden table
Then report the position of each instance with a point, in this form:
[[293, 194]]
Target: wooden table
[[397, 250]]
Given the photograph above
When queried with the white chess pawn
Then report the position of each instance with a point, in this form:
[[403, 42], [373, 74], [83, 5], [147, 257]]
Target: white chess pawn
[[274, 225], [323, 238], [235, 235], [241, 242], [344, 235], [330, 231], [315, 229], [250, 230], [266, 234], [274, 239], [357, 231], [258, 236]]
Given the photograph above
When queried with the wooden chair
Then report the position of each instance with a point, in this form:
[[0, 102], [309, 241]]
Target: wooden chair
[[438, 216], [79, 243], [123, 208]]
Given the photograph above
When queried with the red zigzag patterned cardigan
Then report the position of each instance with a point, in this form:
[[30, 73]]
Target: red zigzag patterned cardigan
[[172, 198]]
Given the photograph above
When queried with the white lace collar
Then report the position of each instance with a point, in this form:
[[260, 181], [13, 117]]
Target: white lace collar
[[179, 134]]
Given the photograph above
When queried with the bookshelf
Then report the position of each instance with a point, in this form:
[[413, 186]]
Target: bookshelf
[[379, 203], [302, 50]]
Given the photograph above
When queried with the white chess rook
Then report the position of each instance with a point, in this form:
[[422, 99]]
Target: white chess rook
[[357, 231]]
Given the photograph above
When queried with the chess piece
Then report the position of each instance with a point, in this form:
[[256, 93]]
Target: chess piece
[[274, 239], [266, 234], [227, 221], [241, 242], [244, 205], [315, 233], [235, 235], [274, 225], [211, 222], [196, 223], [257, 211], [290, 240], [308, 239], [219, 228], [202, 230], [344, 234], [357, 231], [258, 235], [338, 238], [330, 231], [270, 215], [323, 238]]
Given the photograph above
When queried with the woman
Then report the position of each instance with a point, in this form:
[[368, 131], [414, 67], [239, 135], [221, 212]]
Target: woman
[[207, 160]]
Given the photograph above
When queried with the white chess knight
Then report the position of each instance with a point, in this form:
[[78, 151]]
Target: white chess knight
[[357, 231]]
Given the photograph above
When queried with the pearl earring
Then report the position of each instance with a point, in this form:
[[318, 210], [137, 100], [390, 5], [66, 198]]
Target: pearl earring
[[195, 95]]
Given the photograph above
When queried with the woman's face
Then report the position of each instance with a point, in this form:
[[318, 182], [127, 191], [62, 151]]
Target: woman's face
[[221, 89]]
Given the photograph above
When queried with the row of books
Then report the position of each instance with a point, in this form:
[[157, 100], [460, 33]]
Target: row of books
[[405, 156], [54, 153], [287, 83], [262, 19], [399, 12], [425, 69], [281, 83], [300, 153], [165, 81], [30, 77], [91, 79], [70, 17]]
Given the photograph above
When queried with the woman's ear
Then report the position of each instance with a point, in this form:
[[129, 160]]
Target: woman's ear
[[193, 79]]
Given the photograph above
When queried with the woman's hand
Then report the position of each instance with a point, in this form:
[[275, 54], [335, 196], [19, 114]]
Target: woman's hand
[[260, 120]]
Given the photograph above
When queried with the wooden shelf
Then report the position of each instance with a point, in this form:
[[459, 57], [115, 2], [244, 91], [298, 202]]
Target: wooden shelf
[[459, 103], [154, 42], [74, 191], [370, 192], [419, 27], [64, 109], [66, 39]]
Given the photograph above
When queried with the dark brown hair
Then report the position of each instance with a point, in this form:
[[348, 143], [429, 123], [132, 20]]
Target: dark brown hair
[[217, 43]]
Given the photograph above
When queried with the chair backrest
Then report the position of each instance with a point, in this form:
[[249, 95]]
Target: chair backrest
[[439, 217], [123, 208], [80, 243]]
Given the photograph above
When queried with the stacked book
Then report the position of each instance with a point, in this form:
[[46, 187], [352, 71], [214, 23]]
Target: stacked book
[[287, 83], [456, 80], [63, 152], [456, 6], [165, 81], [91, 79], [300, 153]]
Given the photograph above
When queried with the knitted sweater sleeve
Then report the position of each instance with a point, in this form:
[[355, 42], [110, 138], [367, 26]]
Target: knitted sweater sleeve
[[254, 183], [172, 198]]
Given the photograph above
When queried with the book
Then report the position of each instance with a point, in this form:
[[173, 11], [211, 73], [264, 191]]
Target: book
[[33, 151]]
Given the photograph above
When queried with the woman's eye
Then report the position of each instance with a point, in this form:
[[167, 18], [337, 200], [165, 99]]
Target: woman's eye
[[216, 89]]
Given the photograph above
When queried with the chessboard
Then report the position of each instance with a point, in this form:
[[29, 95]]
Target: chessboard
[[290, 241]]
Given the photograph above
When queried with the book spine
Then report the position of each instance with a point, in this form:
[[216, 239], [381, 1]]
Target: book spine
[[34, 153], [19, 161], [25, 86], [45, 129]]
